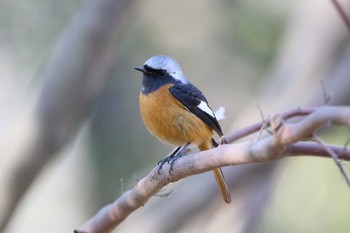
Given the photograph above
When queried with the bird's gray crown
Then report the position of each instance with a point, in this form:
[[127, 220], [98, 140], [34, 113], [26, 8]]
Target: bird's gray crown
[[168, 64]]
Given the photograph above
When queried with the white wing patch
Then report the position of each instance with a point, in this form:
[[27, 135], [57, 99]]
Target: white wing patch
[[205, 108]]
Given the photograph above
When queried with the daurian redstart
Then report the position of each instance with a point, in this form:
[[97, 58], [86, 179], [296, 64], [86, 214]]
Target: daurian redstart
[[176, 112]]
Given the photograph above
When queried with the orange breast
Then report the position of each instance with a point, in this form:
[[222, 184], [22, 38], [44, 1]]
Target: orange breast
[[169, 121]]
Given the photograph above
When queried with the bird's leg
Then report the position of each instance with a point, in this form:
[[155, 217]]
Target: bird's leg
[[174, 155], [222, 141], [168, 158], [177, 156]]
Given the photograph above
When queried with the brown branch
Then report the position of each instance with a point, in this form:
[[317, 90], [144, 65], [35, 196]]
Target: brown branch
[[323, 116], [314, 149], [241, 133], [281, 144]]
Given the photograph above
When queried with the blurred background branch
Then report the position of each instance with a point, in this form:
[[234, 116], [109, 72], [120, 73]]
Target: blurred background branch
[[240, 53], [73, 79]]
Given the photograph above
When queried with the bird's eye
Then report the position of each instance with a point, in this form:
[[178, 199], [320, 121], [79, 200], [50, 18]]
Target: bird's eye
[[148, 69], [159, 72], [162, 72]]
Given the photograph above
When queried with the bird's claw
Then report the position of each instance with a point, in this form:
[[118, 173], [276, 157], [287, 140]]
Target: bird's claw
[[175, 155]]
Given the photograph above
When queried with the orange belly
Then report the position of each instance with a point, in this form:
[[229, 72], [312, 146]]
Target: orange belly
[[169, 121]]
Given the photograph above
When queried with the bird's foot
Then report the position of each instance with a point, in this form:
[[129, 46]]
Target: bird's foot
[[170, 159], [223, 140]]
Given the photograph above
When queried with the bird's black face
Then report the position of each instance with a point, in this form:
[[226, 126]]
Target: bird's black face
[[154, 78]]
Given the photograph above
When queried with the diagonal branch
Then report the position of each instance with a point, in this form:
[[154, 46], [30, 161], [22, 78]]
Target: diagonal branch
[[334, 156]]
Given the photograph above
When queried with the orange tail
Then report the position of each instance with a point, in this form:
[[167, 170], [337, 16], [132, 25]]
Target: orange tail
[[219, 176]]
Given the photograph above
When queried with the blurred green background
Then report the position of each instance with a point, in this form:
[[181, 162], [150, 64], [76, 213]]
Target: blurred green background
[[239, 53]]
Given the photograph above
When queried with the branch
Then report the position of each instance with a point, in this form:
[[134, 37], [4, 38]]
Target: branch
[[241, 133], [335, 157], [283, 142]]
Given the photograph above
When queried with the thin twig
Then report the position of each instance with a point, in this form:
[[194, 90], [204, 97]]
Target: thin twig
[[121, 185], [263, 125], [327, 96], [334, 156], [163, 193]]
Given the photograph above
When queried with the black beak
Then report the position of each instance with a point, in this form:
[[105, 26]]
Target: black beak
[[141, 69]]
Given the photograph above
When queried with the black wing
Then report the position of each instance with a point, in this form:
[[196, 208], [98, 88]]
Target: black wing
[[191, 97]]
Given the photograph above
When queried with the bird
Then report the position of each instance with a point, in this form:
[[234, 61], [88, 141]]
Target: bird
[[176, 112]]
